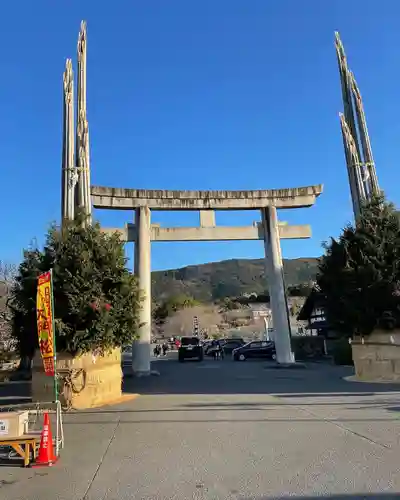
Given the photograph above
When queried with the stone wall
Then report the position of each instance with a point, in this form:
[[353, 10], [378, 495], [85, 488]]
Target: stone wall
[[378, 356], [97, 380]]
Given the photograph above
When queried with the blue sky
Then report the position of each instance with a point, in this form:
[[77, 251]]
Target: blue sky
[[223, 94]]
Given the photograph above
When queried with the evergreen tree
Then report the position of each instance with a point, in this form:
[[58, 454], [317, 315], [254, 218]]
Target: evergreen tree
[[96, 299], [359, 275]]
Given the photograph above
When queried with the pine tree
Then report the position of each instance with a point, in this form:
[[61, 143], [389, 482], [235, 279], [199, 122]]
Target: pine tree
[[96, 299], [359, 275]]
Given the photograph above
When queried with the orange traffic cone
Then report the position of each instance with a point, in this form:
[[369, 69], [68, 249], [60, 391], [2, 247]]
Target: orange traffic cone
[[46, 455]]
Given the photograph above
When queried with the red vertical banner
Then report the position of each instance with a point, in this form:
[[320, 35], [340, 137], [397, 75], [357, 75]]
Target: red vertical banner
[[45, 327]]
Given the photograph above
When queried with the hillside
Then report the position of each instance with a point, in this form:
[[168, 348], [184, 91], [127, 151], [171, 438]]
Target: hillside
[[228, 278]]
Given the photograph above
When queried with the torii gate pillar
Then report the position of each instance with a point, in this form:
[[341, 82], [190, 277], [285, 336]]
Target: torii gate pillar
[[274, 268], [142, 269]]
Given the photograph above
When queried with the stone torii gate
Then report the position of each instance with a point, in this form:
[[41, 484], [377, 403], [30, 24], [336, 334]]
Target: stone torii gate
[[77, 193], [142, 233]]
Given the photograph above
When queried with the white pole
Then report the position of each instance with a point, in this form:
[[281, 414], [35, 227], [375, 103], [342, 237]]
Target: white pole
[[266, 328]]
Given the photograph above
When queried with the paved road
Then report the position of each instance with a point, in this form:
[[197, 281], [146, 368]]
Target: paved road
[[223, 430]]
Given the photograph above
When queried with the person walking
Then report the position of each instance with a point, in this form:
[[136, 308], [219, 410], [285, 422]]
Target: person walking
[[218, 352]]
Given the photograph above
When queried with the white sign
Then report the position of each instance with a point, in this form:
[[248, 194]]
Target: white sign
[[317, 320], [3, 427], [260, 313]]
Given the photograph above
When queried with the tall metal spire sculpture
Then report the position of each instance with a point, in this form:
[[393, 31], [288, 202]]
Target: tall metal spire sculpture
[[69, 173], [76, 163], [82, 130], [357, 146]]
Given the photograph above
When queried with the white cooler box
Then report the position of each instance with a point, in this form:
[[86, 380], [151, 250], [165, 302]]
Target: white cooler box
[[13, 424]]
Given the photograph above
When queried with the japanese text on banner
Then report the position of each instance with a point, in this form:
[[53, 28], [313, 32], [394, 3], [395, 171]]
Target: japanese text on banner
[[45, 321]]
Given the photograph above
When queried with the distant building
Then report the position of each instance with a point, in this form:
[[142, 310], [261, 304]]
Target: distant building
[[261, 313], [259, 310], [251, 295], [313, 311]]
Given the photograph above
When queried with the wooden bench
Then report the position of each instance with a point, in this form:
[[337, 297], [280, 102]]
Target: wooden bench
[[23, 445]]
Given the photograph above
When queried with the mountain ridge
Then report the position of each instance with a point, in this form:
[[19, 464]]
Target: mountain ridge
[[227, 278]]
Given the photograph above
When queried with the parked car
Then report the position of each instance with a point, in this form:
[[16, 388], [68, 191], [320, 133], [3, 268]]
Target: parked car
[[190, 348], [256, 349]]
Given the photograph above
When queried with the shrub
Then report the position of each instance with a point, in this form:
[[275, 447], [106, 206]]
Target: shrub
[[342, 353], [308, 347], [95, 297]]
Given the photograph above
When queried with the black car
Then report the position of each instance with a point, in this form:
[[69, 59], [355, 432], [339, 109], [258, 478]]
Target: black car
[[190, 348], [256, 349]]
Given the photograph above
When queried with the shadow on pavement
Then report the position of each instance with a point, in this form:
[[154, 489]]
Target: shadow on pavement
[[191, 421], [395, 409], [345, 496], [12, 394], [252, 406], [227, 377], [329, 395], [250, 377], [190, 413]]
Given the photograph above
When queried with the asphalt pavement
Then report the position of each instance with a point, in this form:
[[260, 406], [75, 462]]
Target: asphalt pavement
[[226, 430]]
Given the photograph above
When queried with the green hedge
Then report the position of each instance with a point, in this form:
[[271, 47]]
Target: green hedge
[[308, 347], [342, 354]]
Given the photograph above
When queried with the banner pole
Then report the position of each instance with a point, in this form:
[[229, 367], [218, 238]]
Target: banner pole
[[54, 337]]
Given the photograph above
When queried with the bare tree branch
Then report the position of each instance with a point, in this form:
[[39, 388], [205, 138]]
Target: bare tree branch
[[7, 276]]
